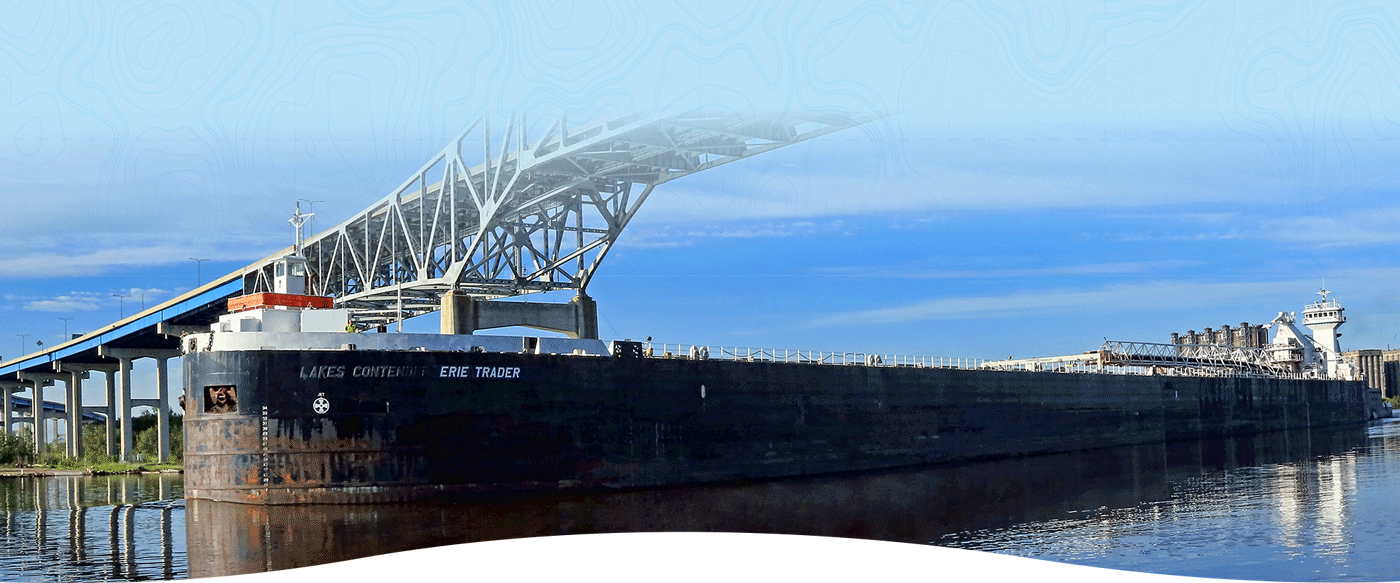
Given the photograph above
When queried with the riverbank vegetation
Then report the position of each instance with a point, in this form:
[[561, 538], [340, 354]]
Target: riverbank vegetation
[[17, 449]]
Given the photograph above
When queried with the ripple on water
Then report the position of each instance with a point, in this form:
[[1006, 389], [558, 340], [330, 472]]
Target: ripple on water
[[92, 528]]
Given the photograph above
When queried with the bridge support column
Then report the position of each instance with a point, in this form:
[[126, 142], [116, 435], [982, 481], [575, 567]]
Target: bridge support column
[[587, 316], [124, 358], [69, 382], [111, 412], [8, 388], [163, 411], [124, 407], [36, 412], [76, 409], [457, 314], [463, 314], [39, 380]]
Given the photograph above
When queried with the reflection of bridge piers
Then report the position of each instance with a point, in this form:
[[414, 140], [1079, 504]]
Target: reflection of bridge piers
[[51, 522]]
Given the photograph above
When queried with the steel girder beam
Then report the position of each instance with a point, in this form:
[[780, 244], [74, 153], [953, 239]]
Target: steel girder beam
[[534, 216]]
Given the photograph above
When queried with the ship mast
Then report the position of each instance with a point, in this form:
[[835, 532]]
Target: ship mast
[[298, 219]]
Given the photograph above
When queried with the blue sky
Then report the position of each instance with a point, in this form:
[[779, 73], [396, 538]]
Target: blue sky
[[1049, 175]]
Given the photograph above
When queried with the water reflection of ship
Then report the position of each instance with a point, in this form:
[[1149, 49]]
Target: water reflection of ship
[[925, 505]]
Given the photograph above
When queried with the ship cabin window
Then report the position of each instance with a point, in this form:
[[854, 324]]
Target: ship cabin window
[[221, 399], [281, 269], [298, 269]]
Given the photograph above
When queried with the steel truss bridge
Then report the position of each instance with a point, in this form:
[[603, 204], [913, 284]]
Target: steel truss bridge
[[1149, 357], [530, 216]]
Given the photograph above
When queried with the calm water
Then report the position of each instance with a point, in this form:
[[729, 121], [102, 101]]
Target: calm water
[[78, 528], [1311, 516], [1289, 506]]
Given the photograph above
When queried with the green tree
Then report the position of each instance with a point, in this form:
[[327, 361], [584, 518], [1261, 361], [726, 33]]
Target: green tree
[[17, 447], [147, 436], [95, 442]]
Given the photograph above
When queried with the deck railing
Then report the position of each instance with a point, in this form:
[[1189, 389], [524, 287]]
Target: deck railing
[[845, 358], [693, 351]]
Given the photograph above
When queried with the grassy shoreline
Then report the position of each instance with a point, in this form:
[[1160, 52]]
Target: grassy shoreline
[[94, 469]]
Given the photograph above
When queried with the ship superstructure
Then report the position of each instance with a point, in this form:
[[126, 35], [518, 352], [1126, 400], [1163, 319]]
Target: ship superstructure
[[1316, 355], [1243, 351]]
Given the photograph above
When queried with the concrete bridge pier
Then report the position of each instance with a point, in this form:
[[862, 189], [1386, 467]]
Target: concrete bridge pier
[[72, 422], [123, 397], [75, 407], [124, 357], [38, 381], [13, 418], [163, 410], [8, 388], [111, 411], [464, 314], [48, 378], [36, 415]]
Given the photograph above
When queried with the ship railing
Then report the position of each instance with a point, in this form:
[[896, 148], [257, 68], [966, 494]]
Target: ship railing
[[1121, 358], [836, 357]]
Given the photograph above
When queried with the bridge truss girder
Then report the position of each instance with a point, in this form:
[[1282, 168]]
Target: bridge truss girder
[[537, 216]]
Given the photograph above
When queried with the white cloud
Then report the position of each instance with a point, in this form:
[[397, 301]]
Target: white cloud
[[64, 303], [52, 264], [1113, 268], [87, 301], [1160, 295], [670, 236], [1365, 223], [1370, 227], [97, 253]]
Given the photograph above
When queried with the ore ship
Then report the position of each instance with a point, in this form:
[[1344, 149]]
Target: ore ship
[[285, 406]]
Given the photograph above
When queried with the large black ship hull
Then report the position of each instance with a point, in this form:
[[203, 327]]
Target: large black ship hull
[[289, 427]]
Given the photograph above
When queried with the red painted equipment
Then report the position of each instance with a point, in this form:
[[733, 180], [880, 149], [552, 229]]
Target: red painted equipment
[[269, 300]]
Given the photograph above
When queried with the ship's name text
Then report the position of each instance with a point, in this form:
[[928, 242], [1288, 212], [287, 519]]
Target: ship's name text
[[480, 372], [341, 371], [446, 372]]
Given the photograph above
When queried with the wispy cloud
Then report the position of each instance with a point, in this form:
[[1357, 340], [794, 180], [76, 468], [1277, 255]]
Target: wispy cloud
[[87, 301], [74, 302], [53, 264], [1346, 224], [1112, 268], [1159, 295], [1370, 227], [94, 254], [671, 236]]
